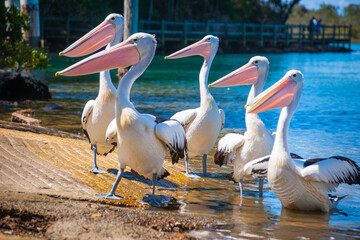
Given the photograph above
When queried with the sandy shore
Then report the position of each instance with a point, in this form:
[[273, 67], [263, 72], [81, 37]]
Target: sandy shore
[[47, 192]]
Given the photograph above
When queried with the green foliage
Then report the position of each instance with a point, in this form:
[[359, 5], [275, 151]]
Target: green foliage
[[16, 53], [91, 10], [251, 11], [19, 55]]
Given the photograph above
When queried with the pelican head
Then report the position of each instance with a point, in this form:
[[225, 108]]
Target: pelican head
[[251, 73], [279, 95], [206, 47], [130, 52], [110, 30]]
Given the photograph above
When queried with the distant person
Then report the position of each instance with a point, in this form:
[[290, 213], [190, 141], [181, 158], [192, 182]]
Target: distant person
[[312, 26], [319, 26]]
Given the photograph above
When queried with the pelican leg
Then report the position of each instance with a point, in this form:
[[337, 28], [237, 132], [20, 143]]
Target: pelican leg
[[111, 194], [261, 184], [154, 183], [204, 164], [96, 169], [187, 164], [241, 190]]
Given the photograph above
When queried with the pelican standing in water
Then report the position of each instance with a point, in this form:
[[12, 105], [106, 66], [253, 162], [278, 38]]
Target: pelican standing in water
[[98, 113], [142, 138], [257, 141], [202, 124], [300, 187]]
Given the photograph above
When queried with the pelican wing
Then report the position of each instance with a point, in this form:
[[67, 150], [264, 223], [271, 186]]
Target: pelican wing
[[172, 133], [222, 114], [185, 117], [111, 133], [85, 116], [258, 168], [227, 147], [333, 170]]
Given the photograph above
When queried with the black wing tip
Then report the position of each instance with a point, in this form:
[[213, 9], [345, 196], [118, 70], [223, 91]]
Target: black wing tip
[[177, 152], [219, 158], [230, 177], [351, 178], [111, 150], [160, 119], [176, 155], [262, 161], [295, 156], [164, 175], [87, 135]]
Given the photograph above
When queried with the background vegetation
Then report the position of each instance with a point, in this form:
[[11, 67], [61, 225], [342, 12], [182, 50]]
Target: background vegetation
[[15, 51], [250, 11]]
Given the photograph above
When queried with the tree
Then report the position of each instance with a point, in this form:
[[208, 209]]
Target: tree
[[282, 9], [15, 52]]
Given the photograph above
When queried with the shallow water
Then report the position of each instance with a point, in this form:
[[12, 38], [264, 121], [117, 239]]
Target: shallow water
[[327, 123]]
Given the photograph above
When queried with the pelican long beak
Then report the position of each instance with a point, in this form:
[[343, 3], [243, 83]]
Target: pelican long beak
[[119, 56], [103, 34], [247, 74], [278, 95], [201, 48]]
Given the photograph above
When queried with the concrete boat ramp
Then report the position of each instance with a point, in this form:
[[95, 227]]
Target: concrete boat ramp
[[47, 166]]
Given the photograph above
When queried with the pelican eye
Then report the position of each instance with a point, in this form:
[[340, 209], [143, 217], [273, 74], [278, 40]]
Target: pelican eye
[[135, 40], [256, 62], [113, 19], [208, 39], [294, 75]]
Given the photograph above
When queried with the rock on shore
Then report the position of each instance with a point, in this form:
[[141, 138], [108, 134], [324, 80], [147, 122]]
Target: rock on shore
[[14, 86]]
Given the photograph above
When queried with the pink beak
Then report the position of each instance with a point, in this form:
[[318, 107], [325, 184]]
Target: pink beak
[[119, 56], [247, 74], [200, 48], [100, 36], [278, 95]]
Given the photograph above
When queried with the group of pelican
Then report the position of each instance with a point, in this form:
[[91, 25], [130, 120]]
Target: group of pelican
[[111, 120]]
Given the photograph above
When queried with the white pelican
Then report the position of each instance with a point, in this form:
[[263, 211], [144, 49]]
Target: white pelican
[[142, 138], [98, 113], [203, 124], [257, 140], [303, 187]]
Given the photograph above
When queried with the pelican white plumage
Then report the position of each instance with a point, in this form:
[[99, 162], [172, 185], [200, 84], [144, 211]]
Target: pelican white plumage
[[98, 113], [142, 138], [202, 124], [257, 141], [303, 187]]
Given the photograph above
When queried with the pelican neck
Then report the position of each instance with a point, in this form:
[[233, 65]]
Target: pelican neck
[[282, 130], [252, 120], [105, 82], [205, 95], [125, 84]]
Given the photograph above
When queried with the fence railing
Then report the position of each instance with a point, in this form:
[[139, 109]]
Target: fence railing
[[263, 35]]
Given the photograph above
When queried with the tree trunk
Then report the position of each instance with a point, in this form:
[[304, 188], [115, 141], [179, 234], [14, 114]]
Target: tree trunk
[[31, 7], [131, 15]]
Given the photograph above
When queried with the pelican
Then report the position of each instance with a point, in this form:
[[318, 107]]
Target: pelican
[[257, 140], [306, 187], [202, 124], [98, 113], [141, 138]]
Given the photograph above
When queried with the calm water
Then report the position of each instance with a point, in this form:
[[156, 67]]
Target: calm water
[[327, 122]]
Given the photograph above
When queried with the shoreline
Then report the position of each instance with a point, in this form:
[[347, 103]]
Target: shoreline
[[47, 192]]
